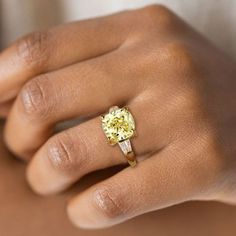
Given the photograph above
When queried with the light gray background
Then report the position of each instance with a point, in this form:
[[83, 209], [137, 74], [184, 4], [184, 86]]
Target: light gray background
[[216, 19]]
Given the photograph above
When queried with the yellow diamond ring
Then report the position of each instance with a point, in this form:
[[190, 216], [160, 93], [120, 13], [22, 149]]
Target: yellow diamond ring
[[119, 127]]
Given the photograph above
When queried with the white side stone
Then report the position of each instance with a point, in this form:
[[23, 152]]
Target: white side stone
[[125, 146]]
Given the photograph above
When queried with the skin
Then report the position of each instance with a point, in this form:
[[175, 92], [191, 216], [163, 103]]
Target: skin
[[25, 213], [179, 87]]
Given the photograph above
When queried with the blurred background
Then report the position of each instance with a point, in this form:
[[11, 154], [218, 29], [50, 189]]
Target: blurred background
[[214, 18]]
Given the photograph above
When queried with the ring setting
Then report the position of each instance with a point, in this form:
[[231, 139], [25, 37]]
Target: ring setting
[[119, 127]]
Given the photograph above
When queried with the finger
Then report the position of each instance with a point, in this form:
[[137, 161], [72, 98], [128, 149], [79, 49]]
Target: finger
[[58, 47], [160, 181], [71, 154], [78, 90]]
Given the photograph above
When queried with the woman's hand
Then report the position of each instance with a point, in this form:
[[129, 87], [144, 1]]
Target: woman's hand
[[180, 89]]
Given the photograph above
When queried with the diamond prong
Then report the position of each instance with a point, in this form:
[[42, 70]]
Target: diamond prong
[[113, 108], [111, 142]]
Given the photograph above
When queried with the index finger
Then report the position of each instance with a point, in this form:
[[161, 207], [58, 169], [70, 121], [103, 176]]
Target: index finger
[[49, 50]]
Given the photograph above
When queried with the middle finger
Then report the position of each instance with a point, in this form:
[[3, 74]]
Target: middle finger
[[78, 90]]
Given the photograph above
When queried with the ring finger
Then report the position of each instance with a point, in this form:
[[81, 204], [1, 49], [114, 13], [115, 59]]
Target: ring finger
[[79, 150]]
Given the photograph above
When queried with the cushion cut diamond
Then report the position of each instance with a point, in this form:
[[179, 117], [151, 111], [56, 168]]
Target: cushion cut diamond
[[118, 125]]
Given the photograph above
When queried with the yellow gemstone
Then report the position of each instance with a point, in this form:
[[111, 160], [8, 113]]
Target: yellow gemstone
[[118, 125]]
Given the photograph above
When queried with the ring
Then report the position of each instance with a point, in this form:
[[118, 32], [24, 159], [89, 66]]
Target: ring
[[119, 127]]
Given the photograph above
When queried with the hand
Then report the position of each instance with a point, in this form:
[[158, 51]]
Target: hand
[[180, 89]]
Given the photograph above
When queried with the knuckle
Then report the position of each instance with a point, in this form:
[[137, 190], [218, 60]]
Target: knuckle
[[158, 14], [155, 9], [109, 203], [34, 98], [188, 105], [66, 156], [33, 49], [205, 155], [178, 56]]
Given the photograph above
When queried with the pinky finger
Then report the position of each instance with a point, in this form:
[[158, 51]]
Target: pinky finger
[[155, 183]]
